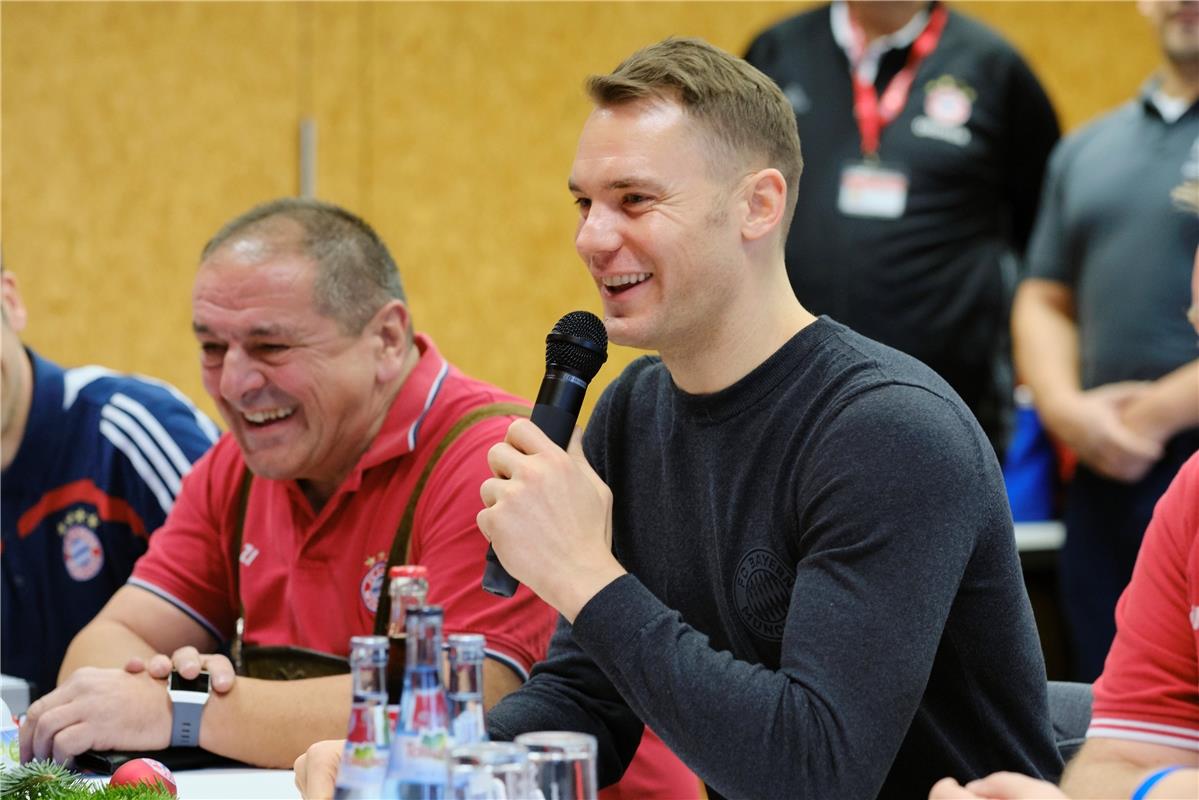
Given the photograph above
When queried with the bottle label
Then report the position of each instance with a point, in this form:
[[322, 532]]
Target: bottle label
[[364, 759], [422, 756]]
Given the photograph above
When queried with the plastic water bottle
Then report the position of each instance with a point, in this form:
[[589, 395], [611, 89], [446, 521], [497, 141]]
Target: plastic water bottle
[[465, 690], [417, 768], [364, 759], [10, 745]]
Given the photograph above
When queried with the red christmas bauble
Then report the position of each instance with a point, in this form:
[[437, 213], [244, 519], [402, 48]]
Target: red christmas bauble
[[144, 770]]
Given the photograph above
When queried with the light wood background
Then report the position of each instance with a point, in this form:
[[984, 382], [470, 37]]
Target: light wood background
[[132, 131]]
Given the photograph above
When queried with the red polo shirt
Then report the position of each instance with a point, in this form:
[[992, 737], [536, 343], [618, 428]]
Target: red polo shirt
[[1149, 689], [312, 579]]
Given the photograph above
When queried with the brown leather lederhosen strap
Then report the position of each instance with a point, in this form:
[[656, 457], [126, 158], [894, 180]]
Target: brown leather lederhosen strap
[[400, 544]]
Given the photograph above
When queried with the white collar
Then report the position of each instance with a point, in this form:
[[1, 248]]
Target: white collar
[[1169, 107], [867, 67]]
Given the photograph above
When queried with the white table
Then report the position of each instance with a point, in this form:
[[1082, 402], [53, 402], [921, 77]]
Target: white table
[[223, 783], [241, 782]]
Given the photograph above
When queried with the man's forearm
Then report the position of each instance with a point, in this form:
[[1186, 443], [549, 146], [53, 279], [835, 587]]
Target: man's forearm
[[270, 723], [1170, 406], [1114, 768], [103, 643], [1118, 780], [1045, 341]]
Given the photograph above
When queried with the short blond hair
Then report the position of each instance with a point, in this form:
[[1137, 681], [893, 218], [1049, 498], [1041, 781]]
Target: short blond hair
[[747, 116]]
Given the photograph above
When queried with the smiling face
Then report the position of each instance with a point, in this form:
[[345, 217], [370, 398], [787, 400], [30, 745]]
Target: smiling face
[[1177, 24], [301, 396], [655, 228]]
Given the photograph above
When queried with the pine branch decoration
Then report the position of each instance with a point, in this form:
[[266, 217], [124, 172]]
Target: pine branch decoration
[[45, 780]]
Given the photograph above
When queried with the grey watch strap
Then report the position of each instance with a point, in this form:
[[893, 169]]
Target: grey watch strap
[[185, 723]]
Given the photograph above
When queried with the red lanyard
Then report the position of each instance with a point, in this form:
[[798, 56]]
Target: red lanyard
[[873, 113]]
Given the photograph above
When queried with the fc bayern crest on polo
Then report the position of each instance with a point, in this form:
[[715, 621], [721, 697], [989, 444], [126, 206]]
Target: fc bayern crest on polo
[[762, 592], [82, 552], [372, 581]]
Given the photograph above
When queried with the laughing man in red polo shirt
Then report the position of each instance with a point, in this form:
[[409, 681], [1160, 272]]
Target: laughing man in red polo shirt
[[335, 406]]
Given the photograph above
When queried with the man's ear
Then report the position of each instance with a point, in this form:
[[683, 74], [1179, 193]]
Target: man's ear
[[14, 307], [392, 329], [765, 203]]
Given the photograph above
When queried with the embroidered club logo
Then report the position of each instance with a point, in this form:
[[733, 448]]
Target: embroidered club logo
[[948, 105], [372, 581], [82, 553], [762, 592]]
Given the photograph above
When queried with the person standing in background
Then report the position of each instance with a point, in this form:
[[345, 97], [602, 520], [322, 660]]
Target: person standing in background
[[1098, 326], [925, 139], [92, 462]]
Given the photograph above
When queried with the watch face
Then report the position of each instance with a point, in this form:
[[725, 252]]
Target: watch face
[[178, 683]]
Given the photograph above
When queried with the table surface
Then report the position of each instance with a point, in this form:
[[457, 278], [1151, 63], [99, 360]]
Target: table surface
[[240, 782], [223, 783], [1032, 537]]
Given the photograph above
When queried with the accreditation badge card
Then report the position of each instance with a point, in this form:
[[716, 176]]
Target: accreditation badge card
[[873, 189]]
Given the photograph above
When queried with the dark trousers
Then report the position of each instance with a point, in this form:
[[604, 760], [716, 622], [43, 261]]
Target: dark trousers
[[1105, 522]]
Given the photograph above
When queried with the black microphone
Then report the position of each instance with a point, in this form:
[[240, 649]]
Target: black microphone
[[574, 352]]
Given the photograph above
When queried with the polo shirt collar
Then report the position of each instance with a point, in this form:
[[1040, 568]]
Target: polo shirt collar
[[402, 430], [868, 67], [1151, 101]]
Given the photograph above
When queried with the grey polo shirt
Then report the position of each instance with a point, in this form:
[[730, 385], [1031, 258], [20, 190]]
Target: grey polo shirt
[[1109, 228]]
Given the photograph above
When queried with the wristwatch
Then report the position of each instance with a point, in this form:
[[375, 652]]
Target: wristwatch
[[188, 697]]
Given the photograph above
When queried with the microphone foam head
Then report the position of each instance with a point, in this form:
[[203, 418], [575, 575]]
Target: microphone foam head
[[579, 343]]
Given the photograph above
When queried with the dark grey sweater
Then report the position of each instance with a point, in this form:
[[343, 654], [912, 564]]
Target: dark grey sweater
[[825, 598]]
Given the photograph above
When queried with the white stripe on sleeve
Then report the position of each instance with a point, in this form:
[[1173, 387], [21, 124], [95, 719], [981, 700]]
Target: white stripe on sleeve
[[148, 447], [147, 473], [155, 429]]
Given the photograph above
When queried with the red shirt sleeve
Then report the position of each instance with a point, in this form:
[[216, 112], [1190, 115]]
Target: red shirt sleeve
[[188, 563], [1149, 690], [448, 541]]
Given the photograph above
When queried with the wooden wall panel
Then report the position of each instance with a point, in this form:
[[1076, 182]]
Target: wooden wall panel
[[131, 131]]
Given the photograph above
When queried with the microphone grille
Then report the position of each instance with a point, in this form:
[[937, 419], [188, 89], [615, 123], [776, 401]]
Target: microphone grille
[[579, 343]]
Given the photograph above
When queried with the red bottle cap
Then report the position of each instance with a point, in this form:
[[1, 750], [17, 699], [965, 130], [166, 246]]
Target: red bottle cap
[[408, 571]]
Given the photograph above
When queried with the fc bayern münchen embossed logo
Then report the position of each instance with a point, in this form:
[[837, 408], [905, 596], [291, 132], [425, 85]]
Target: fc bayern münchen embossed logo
[[762, 591]]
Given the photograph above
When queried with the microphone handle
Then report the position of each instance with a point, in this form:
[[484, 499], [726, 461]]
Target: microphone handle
[[555, 413], [557, 423]]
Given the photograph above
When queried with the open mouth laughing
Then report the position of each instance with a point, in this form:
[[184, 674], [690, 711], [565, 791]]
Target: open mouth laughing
[[267, 417], [618, 284]]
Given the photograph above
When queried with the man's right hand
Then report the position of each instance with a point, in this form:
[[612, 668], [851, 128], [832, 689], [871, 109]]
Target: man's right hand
[[1090, 424], [188, 662], [102, 709], [316, 770]]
